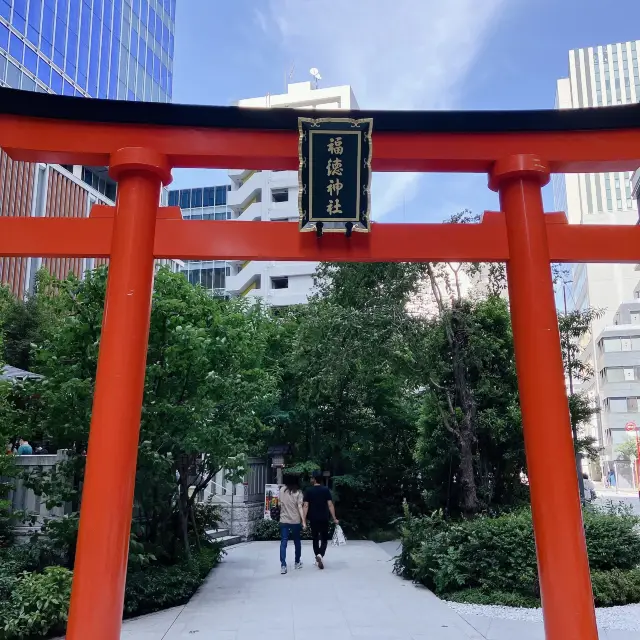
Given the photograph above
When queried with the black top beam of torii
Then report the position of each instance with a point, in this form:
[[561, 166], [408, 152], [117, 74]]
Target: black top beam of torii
[[40, 105]]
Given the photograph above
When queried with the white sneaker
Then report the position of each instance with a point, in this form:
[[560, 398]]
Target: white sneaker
[[283, 570], [319, 562], [298, 565]]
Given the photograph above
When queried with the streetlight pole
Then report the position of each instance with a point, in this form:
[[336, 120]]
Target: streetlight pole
[[574, 427]]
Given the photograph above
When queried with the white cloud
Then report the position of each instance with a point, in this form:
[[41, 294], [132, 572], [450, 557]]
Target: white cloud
[[396, 54]]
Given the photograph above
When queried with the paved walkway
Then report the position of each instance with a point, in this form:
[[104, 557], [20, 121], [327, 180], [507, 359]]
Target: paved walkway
[[356, 596]]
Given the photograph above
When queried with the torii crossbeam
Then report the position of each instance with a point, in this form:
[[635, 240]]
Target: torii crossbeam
[[141, 143]]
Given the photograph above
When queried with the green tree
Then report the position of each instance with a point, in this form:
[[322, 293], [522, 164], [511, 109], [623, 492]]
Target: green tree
[[628, 449], [7, 467], [574, 326], [205, 388], [348, 403], [471, 446], [24, 322]]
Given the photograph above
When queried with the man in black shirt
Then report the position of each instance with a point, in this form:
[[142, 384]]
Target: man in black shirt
[[318, 508]]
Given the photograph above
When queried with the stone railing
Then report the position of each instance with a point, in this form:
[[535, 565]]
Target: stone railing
[[23, 499], [241, 503]]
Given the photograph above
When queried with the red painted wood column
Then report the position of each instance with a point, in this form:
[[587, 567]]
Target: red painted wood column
[[107, 500], [557, 517]]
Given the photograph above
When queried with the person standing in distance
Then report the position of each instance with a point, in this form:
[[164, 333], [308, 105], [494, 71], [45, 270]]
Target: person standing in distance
[[317, 509]]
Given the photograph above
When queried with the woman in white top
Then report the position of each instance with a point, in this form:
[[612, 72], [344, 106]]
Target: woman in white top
[[291, 521]]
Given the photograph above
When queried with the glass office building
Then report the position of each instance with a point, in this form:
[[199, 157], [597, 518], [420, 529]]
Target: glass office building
[[117, 49], [208, 203]]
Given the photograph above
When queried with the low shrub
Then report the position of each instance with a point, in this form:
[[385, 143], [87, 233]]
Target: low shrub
[[492, 560], [269, 530], [612, 540], [156, 587], [610, 588], [615, 587], [14, 562], [36, 604], [383, 535], [266, 530], [504, 598], [39, 604]]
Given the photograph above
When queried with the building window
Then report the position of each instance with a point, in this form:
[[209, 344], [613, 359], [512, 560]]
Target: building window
[[280, 283], [280, 195], [620, 374], [635, 317], [221, 194], [614, 374], [185, 199], [174, 198], [617, 405], [219, 277], [628, 343], [611, 344], [632, 405], [105, 185]]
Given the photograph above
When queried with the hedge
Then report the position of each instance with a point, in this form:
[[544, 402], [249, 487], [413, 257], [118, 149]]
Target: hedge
[[35, 604], [492, 560], [269, 530]]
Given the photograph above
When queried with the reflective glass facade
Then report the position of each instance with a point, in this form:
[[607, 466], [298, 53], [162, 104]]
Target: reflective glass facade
[[199, 199], [117, 49], [208, 203]]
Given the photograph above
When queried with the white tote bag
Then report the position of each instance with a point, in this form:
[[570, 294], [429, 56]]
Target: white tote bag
[[338, 537]]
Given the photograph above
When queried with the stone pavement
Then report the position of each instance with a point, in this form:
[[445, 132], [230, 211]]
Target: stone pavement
[[356, 596]]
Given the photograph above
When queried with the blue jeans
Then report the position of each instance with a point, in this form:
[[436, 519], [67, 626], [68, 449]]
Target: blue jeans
[[293, 530]]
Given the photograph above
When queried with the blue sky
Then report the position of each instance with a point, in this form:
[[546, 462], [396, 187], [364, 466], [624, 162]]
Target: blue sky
[[400, 54]]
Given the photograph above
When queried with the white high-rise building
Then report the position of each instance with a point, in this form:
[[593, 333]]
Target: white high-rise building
[[273, 196], [602, 76]]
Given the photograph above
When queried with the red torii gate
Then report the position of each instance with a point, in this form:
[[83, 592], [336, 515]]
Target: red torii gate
[[141, 143]]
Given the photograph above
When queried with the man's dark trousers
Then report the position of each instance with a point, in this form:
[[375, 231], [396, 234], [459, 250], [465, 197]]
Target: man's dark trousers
[[320, 534]]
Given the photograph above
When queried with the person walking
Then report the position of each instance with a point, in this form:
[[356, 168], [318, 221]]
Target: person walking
[[318, 508], [292, 521], [589, 488]]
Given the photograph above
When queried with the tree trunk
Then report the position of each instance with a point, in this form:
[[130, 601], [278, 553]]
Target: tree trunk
[[455, 329], [466, 433], [183, 512], [195, 528], [470, 503]]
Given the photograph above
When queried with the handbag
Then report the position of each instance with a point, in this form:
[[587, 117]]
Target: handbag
[[339, 538]]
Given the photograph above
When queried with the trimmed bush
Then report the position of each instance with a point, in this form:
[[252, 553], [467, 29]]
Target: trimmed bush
[[492, 560], [616, 587], [156, 587], [36, 604], [612, 540], [266, 530], [39, 604], [269, 530], [478, 596]]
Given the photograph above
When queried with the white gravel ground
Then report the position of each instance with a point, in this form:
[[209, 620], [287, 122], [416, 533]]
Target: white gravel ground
[[626, 618]]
